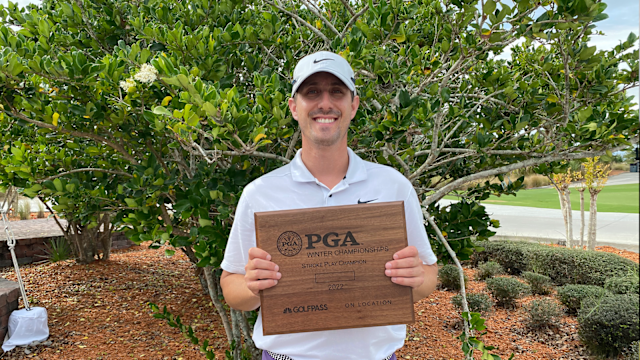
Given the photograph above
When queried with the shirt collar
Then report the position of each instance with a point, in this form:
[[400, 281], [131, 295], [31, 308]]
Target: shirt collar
[[355, 172]]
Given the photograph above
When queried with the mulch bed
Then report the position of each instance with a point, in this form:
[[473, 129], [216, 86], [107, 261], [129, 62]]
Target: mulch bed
[[100, 311]]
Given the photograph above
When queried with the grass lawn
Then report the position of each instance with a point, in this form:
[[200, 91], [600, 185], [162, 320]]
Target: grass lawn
[[614, 198]]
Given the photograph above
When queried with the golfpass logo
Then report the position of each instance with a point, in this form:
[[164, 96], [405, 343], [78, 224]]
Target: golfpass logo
[[304, 309], [290, 243]]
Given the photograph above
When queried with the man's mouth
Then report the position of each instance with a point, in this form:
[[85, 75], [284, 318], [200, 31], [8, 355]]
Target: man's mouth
[[325, 120]]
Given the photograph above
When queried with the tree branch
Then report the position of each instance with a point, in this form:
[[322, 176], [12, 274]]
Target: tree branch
[[353, 19], [507, 168], [324, 20], [292, 144], [309, 26], [95, 137], [84, 170]]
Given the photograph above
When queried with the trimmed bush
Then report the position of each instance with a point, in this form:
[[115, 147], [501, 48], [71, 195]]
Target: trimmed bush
[[632, 352], [609, 325], [449, 277], [513, 256], [488, 270], [542, 313], [540, 284], [562, 265], [623, 285], [506, 290], [571, 296], [478, 302]]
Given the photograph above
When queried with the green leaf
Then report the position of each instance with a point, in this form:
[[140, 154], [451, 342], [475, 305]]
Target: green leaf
[[169, 253], [587, 52], [585, 113], [58, 184], [489, 7], [131, 202], [204, 222], [446, 94], [161, 110], [444, 46]]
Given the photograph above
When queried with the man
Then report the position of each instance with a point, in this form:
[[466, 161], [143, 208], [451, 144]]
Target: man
[[325, 172]]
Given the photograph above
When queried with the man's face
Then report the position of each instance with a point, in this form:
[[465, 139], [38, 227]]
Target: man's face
[[323, 108]]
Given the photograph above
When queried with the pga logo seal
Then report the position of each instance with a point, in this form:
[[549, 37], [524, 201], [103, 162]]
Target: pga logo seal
[[289, 243]]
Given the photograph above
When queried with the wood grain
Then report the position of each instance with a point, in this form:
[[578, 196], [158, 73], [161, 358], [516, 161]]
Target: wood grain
[[332, 261]]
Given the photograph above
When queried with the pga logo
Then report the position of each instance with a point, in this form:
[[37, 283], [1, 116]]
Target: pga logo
[[290, 243]]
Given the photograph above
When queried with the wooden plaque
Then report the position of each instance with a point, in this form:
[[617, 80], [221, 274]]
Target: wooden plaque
[[332, 261]]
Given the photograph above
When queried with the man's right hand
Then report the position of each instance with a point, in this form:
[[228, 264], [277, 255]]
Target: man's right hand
[[261, 273]]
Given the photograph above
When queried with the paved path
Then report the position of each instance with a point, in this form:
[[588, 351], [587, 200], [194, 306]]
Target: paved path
[[619, 230], [36, 228]]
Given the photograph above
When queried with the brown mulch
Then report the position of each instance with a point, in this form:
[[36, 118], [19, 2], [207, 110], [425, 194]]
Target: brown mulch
[[100, 311]]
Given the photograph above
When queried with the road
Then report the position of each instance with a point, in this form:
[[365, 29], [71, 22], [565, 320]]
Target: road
[[620, 230]]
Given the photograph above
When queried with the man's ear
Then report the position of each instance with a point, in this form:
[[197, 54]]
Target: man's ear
[[293, 108], [355, 103]]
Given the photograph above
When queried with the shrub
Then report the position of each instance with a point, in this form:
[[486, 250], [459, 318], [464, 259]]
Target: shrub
[[506, 290], [542, 313], [24, 209], [623, 285], [609, 325], [540, 284], [536, 180], [58, 250], [562, 265], [40, 210], [513, 256], [575, 266], [488, 270], [571, 296], [632, 352], [449, 276], [478, 302]]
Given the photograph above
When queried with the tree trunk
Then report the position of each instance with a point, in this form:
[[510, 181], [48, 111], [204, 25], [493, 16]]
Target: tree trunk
[[82, 241], [569, 220], [564, 212], [593, 211], [213, 294], [581, 218], [104, 236]]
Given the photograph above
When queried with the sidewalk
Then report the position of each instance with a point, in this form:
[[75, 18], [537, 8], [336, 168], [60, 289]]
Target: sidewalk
[[619, 230]]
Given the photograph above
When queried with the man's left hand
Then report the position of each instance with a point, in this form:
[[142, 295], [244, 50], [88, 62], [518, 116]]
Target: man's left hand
[[406, 268]]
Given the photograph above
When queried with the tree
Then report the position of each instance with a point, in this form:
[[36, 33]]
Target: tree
[[581, 188], [561, 182], [176, 105], [595, 177]]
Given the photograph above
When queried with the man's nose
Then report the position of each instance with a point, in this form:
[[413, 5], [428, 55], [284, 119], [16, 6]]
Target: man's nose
[[325, 101]]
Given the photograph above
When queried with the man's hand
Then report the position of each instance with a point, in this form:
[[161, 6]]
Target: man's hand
[[261, 273], [406, 268]]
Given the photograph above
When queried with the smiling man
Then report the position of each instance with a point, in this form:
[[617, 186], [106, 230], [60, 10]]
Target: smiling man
[[324, 172]]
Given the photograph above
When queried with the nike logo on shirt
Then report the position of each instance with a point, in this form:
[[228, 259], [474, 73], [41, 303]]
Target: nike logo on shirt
[[368, 201]]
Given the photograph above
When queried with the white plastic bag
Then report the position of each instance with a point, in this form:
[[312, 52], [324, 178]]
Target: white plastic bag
[[26, 327]]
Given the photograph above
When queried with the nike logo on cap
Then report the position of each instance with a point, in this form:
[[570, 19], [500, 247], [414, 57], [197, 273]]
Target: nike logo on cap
[[319, 60], [368, 201]]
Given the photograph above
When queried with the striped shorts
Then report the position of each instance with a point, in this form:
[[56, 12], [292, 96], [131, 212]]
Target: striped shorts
[[268, 355]]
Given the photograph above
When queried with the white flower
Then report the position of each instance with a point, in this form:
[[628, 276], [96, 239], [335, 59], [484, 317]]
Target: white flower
[[146, 74], [127, 84]]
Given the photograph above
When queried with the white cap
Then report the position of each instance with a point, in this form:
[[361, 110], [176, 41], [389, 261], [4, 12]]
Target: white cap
[[323, 61]]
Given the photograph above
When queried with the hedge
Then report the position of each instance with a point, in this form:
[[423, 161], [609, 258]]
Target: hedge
[[608, 326], [562, 265]]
